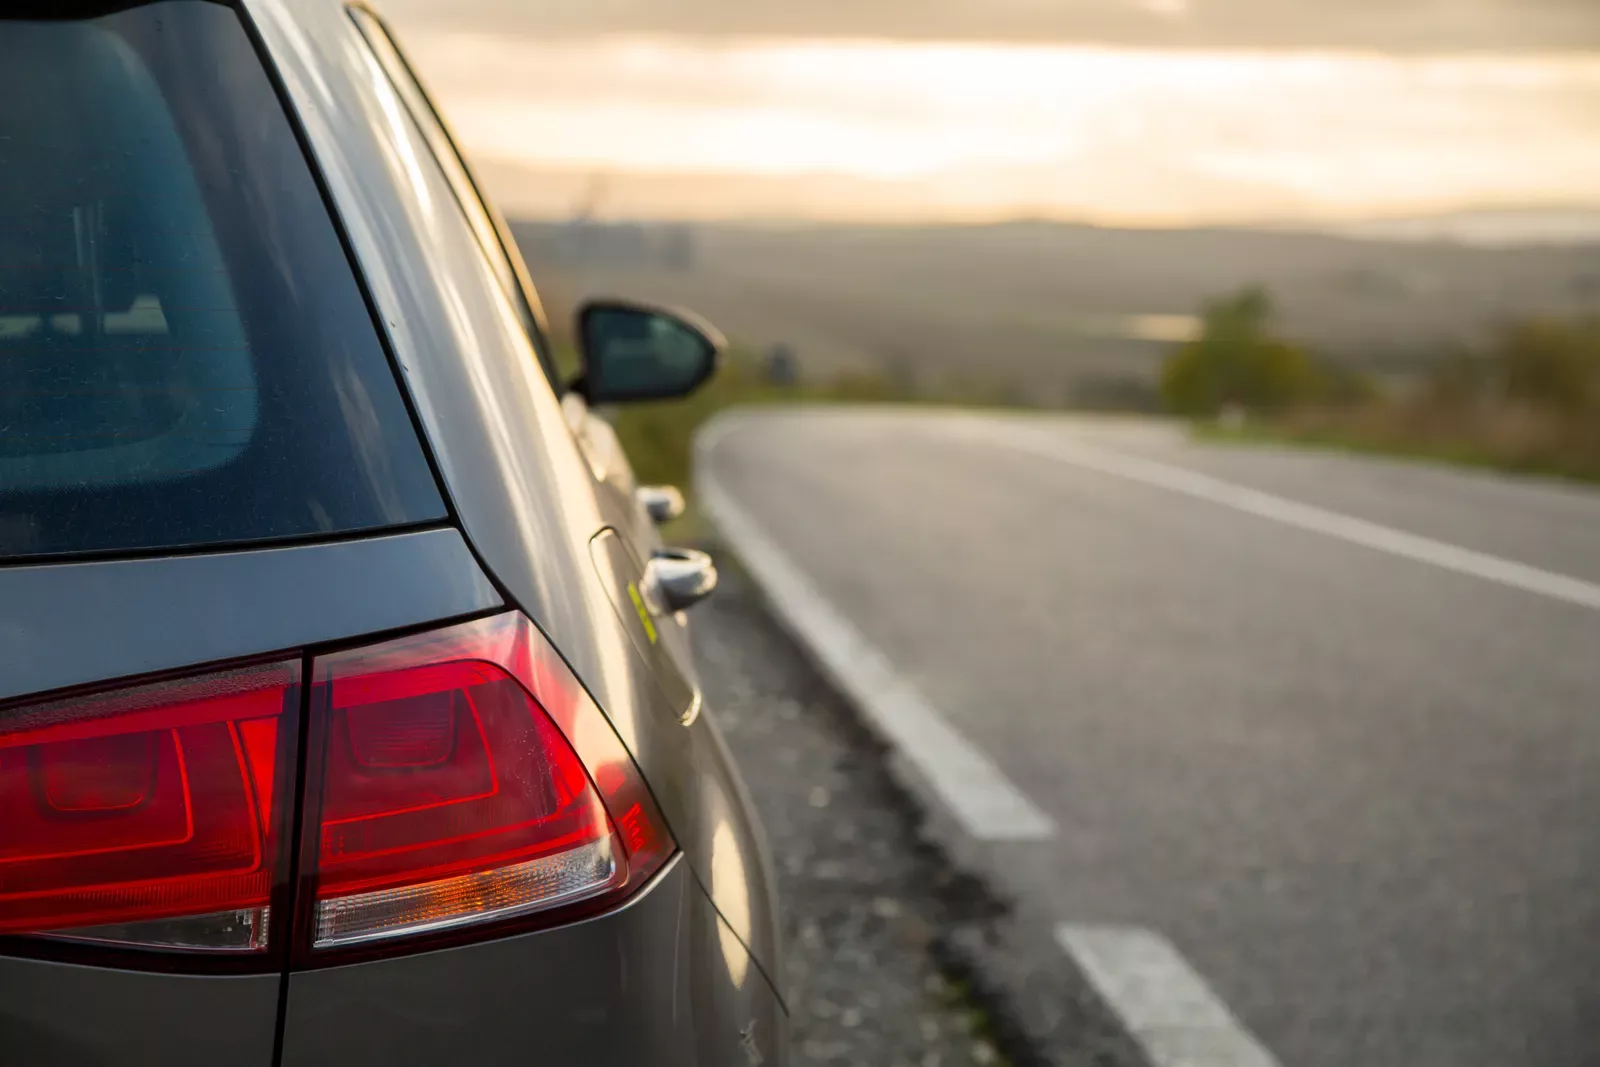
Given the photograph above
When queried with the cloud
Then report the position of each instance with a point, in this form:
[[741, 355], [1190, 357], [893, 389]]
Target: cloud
[[985, 128], [1166, 8]]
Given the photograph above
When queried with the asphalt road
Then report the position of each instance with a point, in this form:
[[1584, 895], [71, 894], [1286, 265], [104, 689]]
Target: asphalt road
[[1359, 790], [861, 905]]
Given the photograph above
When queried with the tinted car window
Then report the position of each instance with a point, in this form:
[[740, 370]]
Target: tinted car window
[[185, 355]]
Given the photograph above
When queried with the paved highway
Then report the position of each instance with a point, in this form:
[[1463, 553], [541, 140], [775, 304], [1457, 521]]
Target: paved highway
[[1324, 731]]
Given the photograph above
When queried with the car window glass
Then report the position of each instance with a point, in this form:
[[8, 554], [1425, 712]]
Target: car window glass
[[185, 354]]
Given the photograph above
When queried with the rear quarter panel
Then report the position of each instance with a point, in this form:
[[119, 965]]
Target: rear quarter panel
[[660, 982]]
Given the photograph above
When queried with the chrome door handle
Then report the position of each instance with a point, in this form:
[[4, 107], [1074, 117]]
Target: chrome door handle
[[663, 503], [679, 578]]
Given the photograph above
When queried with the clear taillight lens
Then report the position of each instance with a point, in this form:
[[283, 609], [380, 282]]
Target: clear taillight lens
[[146, 816], [464, 776]]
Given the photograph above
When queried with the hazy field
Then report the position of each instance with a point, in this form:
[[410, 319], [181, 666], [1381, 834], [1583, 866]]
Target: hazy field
[[1057, 313]]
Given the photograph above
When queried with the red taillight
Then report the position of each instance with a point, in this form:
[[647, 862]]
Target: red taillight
[[465, 776], [145, 816], [457, 777]]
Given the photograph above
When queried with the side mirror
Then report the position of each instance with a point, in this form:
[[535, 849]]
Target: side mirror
[[635, 351]]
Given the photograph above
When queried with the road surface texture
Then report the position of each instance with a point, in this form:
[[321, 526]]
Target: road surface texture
[[862, 900], [1301, 751]]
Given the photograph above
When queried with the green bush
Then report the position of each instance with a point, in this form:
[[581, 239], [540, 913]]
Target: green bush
[[1552, 364], [1236, 360], [1528, 402]]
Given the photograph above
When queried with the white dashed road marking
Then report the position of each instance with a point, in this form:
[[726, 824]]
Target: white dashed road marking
[[1167, 1008], [981, 798], [1289, 512]]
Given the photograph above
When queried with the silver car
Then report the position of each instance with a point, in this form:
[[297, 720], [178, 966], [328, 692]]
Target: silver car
[[347, 712]]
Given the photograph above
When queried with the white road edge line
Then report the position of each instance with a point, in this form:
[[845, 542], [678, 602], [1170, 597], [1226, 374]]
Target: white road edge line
[[1162, 1002], [1333, 524], [980, 797]]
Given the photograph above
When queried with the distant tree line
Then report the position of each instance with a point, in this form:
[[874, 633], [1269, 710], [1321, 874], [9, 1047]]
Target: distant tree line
[[1238, 362], [1528, 400], [1543, 362]]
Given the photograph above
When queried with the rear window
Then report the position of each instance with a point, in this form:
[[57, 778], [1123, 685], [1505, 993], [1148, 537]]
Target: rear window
[[185, 356]]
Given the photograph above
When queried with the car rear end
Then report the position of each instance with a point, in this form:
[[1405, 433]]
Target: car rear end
[[284, 775]]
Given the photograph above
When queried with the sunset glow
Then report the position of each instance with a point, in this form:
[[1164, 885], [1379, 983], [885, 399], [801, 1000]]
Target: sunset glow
[[975, 130]]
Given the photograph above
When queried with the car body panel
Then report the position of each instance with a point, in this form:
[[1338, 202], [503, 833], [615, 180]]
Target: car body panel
[[140, 1019], [616, 490], [524, 494], [70, 624], [623, 575], [660, 981]]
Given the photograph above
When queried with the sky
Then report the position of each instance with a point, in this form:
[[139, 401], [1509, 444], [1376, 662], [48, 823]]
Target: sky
[[1143, 112]]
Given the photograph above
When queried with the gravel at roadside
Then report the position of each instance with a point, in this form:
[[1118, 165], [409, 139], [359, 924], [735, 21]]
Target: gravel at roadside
[[862, 897]]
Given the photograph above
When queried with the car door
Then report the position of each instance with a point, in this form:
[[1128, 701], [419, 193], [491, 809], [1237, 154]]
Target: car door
[[613, 472]]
